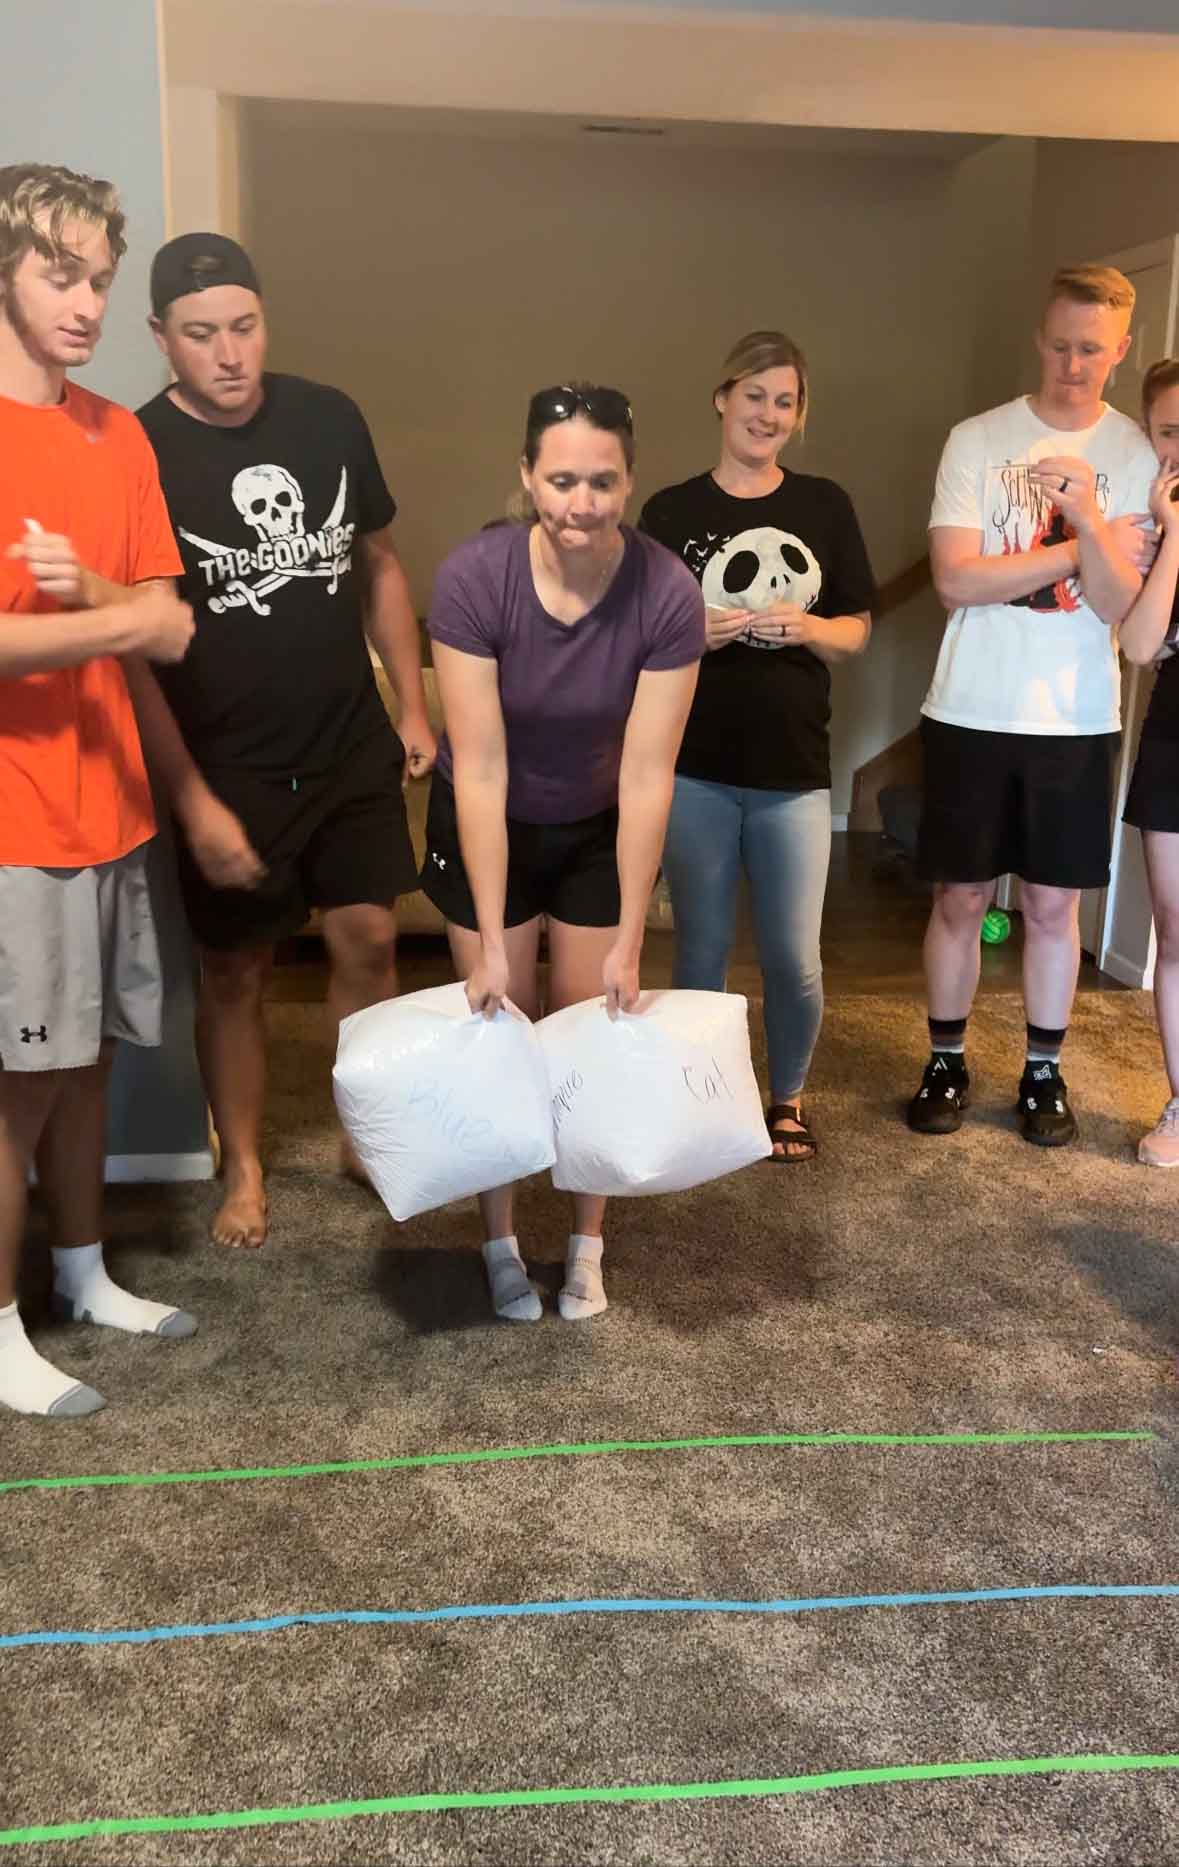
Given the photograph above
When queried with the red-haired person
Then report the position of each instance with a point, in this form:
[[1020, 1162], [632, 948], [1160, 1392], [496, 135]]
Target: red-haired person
[[1035, 544]]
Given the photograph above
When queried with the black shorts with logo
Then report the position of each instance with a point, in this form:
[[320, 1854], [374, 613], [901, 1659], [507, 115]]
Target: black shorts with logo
[[566, 870], [331, 841], [1035, 805]]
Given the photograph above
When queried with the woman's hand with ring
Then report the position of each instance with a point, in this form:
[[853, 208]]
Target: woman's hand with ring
[[785, 623]]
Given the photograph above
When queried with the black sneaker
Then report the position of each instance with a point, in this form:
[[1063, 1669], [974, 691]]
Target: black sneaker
[[1045, 1117], [938, 1106]]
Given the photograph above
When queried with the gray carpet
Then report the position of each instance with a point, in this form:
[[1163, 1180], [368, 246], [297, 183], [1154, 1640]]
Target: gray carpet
[[898, 1284]]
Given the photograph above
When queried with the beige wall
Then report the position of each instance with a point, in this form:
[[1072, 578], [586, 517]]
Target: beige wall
[[1098, 198], [440, 278], [446, 278]]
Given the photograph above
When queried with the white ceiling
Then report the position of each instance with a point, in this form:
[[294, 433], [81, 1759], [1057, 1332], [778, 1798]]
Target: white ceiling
[[1069, 15], [1059, 15], [655, 63]]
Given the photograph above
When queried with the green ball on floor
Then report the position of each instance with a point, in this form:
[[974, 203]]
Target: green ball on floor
[[996, 926]]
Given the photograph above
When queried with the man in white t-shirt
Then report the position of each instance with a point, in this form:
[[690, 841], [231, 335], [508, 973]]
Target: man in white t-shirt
[[1036, 544]]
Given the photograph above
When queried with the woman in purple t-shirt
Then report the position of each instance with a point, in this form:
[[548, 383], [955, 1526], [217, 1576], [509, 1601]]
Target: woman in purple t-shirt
[[566, 653]]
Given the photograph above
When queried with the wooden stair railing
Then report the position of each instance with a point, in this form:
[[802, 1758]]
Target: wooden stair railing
[[900, 762], [906, 584]]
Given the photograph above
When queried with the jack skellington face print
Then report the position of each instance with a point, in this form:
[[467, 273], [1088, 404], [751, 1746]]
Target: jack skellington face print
[[758, 569]]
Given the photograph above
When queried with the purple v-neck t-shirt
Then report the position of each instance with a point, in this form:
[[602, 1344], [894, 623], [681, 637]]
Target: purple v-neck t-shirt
[[566, 689]]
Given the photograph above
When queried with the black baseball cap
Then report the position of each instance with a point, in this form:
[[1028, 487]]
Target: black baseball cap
[[195, 261]]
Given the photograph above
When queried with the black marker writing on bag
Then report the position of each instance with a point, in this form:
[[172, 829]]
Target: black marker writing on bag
[[711, 1087], [563, 1098]]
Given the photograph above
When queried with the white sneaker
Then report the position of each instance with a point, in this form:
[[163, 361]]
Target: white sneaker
[[1160, 1148]]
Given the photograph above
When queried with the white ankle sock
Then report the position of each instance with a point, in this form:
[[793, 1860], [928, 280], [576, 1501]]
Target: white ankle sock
[[30, 1384], [82, 1292], [512, 1296], [584, 1293]]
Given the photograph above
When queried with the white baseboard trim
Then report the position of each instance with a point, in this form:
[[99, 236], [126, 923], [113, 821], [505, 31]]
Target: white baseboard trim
[[1125, 971], [126, 1169], [839, 820]]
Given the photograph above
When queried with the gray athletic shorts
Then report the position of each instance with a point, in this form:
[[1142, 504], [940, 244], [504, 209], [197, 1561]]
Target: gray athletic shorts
[[78, 963]]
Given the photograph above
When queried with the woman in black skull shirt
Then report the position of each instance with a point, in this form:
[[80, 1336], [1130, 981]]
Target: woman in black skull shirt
[[788, 590]]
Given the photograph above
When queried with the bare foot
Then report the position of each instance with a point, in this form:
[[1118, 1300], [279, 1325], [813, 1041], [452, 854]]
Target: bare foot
[[240, 1220]]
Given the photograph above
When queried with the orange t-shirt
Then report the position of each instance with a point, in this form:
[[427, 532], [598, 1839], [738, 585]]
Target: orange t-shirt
[[73, 787]]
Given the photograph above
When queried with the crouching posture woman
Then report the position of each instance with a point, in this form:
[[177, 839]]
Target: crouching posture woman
[[566, 652]]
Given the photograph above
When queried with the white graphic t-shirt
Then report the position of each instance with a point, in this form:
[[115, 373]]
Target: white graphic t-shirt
[[1044, 663]]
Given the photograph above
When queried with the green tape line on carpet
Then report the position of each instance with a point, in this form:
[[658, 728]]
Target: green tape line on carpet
[[491, 1454], [542, 1798]]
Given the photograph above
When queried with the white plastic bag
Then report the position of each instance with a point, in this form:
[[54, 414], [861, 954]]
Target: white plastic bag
[[440, 1102], [655, 1100]]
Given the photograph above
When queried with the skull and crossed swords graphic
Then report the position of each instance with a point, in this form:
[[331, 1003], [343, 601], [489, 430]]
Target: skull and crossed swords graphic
[[270, 500]]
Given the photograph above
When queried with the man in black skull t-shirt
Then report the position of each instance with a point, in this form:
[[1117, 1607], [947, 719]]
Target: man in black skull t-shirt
[[282, 516]]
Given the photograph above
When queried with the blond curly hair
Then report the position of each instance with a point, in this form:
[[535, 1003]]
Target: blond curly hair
[[36, 203]]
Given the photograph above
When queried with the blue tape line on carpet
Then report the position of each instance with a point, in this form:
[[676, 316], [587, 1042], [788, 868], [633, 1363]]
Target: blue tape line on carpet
[[515, 1610]]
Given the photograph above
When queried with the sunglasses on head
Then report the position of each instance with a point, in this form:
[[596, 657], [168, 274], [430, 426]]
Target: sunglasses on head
[[606, 408]]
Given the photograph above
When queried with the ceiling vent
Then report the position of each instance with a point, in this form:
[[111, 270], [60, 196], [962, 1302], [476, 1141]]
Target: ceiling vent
[[623, 129]]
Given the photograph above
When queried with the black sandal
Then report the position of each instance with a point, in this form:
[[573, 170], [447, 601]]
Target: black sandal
[[800, 1137]]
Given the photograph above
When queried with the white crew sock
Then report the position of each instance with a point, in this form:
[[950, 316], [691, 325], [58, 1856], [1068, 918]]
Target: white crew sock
[[512, 1296], [584, 1293], [30, 1384], [82, 1292]]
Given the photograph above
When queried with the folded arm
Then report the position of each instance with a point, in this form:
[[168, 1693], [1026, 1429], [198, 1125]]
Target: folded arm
[[95, 617], [963, 577]]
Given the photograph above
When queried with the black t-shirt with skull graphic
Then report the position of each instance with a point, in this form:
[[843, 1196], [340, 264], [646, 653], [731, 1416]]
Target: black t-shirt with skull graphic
[[761, 712], [277, 680]]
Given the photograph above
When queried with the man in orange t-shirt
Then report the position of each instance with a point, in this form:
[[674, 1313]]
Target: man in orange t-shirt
[[87, 559]]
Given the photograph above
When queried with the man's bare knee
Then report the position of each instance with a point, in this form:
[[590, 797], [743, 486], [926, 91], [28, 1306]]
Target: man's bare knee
[[235, 978], [961, 905], [1049, 912], [361, 937]]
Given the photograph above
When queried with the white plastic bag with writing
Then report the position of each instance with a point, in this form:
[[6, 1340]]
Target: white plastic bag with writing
[[440, 1102], [655, 1100]]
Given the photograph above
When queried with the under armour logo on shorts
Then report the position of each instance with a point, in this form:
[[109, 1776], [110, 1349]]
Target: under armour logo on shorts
[[27, 1036], [437, 860]]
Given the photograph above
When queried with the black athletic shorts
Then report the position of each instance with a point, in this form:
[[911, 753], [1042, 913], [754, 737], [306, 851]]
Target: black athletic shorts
[[1036, 805], [566, 870], [327, 842], [1153, 799]]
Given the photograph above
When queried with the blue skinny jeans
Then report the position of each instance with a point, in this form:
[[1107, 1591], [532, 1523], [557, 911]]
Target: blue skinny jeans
[[782, 841]]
